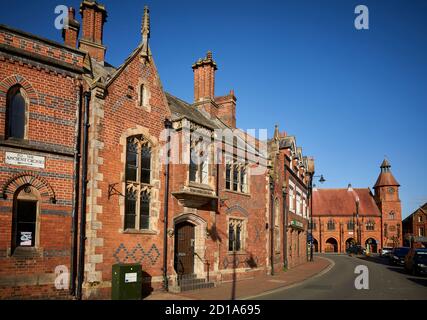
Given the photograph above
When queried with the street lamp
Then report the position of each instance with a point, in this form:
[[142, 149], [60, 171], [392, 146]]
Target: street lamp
[[321, 180]]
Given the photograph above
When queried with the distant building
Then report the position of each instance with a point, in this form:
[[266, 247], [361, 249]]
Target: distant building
[[415, 226], [342, 217]]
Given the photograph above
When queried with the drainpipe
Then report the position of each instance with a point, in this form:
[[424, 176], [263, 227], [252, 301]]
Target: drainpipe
[[75, 221], [285, 226], [80, 271], [168, 126], [272, 227], [310, 190]]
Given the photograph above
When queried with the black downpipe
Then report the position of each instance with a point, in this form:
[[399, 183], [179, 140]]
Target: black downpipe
[[310, 190], [168, 126], [272, 229], [80, 272], [75, 221], [285, 228]]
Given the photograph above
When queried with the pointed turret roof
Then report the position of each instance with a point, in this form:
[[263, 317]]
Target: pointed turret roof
[[386, 178]]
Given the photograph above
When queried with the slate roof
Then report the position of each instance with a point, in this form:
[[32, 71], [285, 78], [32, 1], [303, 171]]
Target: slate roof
[[105, 70], [342, 202], [181, 109]]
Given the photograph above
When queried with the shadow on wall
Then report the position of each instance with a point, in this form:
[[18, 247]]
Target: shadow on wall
[[146, 284]]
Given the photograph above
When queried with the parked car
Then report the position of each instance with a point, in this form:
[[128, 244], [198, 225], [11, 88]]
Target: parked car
[[397, 255], [385, 252], [416, 261], [355, 249]]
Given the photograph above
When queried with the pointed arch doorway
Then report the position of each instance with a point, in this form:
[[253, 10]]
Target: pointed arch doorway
[[184, 248]]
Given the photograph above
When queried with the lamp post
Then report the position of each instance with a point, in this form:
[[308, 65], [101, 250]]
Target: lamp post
[[310, 193]]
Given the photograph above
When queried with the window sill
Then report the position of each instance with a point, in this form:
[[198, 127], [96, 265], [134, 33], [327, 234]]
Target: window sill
[[27, 252], [135, 231], [238, 253], [200, 185], [238, 192]]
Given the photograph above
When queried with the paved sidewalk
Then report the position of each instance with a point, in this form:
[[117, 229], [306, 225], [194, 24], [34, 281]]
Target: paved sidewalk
[[251, 287]]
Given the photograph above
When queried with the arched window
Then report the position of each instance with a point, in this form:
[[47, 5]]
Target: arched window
[[25, 221], [138, 183], [391, 215], [16, 123]]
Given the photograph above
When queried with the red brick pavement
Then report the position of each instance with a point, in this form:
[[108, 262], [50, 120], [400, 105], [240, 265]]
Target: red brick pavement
[[251, 287]]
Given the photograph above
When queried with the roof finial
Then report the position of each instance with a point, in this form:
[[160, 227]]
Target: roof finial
[[385, 165], [276, 132], [145, 29]]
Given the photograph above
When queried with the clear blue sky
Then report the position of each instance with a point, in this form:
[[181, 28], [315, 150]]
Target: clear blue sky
[[350, 97]]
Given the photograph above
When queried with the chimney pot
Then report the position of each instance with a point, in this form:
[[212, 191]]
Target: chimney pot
[[94, 16], [70, 33], [204, 78]]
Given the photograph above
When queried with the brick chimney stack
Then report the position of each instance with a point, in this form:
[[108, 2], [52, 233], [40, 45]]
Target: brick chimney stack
[[94, 16], [204, 78], [227, 109], [70, 33]]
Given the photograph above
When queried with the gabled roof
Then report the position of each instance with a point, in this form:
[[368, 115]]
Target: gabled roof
[[342, 202], [181, 109]]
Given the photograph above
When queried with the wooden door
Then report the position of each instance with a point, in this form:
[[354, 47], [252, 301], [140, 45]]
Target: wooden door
[[184, 248]]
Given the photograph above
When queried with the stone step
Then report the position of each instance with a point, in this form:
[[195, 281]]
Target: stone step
[[196, 286], [191, 281]]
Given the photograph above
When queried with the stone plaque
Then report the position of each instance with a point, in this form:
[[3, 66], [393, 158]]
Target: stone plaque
[[22, 159]]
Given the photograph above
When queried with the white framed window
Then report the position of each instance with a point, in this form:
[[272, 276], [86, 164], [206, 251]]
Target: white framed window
[[299, 203], [236, 175], [236, 231], [199, 162], [291, 198], [304, 207], [138, 183]]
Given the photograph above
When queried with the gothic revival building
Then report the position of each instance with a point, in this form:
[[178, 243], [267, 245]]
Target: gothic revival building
[[342, 217], [290, 176], [99, 166]]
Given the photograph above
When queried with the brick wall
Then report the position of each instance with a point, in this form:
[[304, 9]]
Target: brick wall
[[51, 89]]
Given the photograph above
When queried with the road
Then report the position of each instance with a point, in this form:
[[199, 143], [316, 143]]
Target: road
[[385, 282]]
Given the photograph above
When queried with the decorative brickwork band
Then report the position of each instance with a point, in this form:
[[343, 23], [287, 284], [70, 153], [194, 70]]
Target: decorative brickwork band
[[29, 178]]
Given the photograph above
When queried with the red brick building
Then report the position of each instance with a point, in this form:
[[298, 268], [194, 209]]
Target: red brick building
[[40, 97], [100, 166], [86, 183], [342, 217], [414, 228], [290, 177]]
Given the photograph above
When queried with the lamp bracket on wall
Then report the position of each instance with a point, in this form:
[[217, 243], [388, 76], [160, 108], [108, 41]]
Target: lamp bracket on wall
[[112, 191]]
